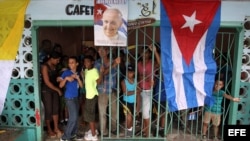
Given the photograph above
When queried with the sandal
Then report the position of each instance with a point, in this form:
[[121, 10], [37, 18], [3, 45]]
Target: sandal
[[51, 135]]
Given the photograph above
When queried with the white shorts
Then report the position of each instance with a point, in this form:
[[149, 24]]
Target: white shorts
[[146, 103]]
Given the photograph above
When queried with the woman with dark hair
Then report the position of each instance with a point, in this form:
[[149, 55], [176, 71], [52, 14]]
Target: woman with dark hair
[[50, 93]]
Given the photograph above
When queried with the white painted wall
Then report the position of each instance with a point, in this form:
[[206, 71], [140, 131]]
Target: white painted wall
[[235, 11]]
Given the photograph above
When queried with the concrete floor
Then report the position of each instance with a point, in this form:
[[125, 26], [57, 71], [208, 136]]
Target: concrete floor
[[174, 135], [9, 134]]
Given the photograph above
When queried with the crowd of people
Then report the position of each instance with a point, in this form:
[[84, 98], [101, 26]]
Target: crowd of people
[[94, 85]]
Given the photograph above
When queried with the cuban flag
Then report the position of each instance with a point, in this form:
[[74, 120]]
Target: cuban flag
[[188, 33]]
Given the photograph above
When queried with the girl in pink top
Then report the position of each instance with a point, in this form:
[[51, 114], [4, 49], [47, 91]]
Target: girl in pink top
[[146, 82]]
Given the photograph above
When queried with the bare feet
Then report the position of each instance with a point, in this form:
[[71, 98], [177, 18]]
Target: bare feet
[[58, 133], [51, 134]]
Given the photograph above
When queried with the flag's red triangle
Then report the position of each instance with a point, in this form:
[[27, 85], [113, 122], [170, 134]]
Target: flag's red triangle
[[187, 40]]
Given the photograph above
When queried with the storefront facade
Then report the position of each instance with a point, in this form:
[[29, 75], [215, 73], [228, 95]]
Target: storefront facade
[[47, 19]]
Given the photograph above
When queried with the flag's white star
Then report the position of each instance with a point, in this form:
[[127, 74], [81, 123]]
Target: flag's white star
[[99, 11], [190, 21]]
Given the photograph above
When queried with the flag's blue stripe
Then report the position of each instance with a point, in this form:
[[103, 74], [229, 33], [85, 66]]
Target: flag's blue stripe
[[210, 62], [188, 82], [166, 56]]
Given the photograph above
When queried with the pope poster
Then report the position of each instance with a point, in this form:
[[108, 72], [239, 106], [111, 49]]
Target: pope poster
[[110, 22]]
